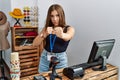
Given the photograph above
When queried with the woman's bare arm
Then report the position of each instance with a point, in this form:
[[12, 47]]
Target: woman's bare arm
[[65, 36], [38, 40]]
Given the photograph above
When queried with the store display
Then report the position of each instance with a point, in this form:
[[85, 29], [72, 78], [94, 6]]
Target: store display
[[31, 16]]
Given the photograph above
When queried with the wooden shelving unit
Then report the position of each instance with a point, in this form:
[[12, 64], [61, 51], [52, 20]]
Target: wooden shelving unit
[[29, 56]]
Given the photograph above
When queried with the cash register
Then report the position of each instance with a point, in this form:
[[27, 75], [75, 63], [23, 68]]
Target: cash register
[[99, 54]]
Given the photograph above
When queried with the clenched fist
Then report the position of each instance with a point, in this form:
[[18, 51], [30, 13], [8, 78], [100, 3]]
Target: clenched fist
[[49, 30], [58, 31]]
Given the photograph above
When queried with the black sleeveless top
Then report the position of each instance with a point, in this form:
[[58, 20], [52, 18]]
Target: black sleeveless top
[[59, 46]]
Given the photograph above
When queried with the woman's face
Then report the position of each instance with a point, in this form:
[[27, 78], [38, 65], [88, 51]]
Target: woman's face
[[55, 18]]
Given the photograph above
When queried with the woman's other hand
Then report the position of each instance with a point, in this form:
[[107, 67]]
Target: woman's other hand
[[49, 30], [65, 36]]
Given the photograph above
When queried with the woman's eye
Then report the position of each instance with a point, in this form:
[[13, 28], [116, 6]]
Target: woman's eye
[[57, 15], [52, 16]]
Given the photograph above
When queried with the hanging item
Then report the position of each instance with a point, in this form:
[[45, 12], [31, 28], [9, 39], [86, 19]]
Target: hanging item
[[3, 18], [17, 15], [27, 20], [34, 16], [31, 16]]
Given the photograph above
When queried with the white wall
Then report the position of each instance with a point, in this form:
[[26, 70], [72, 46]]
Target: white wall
[[43, 8], [5, 6], [21, 4], [93, 20]]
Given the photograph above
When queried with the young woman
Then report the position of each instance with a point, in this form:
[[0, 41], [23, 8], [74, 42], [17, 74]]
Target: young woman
[[57, 36]]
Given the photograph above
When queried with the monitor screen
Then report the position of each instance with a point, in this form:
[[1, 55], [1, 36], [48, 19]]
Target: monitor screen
[[100, 48]]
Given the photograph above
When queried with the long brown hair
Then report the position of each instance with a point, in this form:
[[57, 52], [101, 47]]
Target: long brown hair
[[60, 11]]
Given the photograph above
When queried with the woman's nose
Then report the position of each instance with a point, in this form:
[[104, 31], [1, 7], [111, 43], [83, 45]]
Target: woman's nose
[[55, 18]]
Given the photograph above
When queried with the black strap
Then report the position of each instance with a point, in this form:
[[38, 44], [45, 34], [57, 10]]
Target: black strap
[[65, 29]]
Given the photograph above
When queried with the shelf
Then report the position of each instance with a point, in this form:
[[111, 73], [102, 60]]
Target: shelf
[[28, 55], [24, 47], [19, 40], [24, 37], [28, 27]]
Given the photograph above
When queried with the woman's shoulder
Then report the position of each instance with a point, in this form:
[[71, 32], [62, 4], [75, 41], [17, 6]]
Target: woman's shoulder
[[68, 27]]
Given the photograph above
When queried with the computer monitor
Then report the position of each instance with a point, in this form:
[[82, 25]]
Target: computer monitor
[[100, 51]]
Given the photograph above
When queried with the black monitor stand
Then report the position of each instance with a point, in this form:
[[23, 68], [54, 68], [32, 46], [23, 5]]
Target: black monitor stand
[[2, 68], [103, 65]]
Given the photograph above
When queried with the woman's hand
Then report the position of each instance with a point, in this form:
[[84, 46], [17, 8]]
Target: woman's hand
[[58, 31], [65, 36], [49, 30]]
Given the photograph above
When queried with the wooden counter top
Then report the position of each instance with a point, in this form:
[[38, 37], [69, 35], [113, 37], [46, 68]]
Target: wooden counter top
[[110, 74]]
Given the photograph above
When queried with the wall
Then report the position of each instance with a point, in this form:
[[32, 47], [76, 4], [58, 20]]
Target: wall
[[5, 6], [22, 4], [93, 20], [43, 7]]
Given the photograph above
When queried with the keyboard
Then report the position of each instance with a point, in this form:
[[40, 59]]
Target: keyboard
[[85, 65]]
